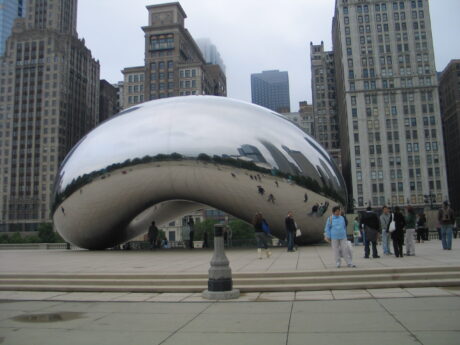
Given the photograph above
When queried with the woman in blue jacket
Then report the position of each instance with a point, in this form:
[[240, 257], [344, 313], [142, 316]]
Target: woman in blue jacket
[[335, 232]]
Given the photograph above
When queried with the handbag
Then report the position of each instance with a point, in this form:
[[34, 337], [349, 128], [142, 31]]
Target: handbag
[[392, 226], [298, 233], [265, 227]]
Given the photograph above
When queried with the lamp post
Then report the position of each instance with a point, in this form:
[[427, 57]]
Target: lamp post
[[220, 284]]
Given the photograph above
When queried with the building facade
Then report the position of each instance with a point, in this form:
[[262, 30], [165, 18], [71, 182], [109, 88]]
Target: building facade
[[49, 99], [388, 104], [449, 95], [108, 100], [323, 85], [270, 89], [303, 118], [174, 64], [9, 11], [210, 52]]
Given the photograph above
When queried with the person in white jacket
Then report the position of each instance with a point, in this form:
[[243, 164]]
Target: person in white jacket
[[335, 232]]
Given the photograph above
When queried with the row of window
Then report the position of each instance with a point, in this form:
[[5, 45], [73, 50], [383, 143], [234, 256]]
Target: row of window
[[382, 7]]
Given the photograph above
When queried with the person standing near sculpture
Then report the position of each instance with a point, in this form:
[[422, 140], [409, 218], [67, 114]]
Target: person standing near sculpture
[[153, 235], [410, 231], [335, 232], [446, 218], [191, 225], [385, 219], [290, 231], [261, 236], [397, 235], [371, 223]]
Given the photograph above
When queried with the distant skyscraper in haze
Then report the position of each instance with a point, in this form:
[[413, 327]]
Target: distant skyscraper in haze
[[49, 100], [210, 52], [270, 89], [387, 102], [9, 11]]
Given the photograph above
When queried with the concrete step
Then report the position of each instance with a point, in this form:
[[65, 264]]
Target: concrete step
[[240, 281]]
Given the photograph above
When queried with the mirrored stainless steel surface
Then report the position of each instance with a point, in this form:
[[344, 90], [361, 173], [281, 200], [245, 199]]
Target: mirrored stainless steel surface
[[163, 158]]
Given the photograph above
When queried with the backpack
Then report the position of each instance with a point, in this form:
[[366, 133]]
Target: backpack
[[446, 215]]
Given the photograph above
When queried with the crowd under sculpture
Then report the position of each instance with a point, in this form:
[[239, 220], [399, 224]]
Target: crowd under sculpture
[[164, 158]]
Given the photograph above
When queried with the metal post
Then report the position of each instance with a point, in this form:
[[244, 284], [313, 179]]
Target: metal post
[[220, 284]]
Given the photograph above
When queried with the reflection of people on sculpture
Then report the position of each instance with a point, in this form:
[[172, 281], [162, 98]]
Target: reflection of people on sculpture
[[305, 197], [153, 235], [322, 208], [271, 198], [205, 239], [261, 229], [191, 225], [276, 183], [260, 190], [186, 235], [314, 209]]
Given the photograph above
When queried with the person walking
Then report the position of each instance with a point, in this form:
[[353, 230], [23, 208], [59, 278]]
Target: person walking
[[446, 218], [410, 231], [397, 236], [385, 219], [421, 224], [261, 236], [191, 225], [335, 232], [371, 223], [290, 231]]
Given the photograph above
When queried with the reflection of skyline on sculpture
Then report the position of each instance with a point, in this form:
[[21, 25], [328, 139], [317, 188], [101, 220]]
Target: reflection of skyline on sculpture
[[206, 134]]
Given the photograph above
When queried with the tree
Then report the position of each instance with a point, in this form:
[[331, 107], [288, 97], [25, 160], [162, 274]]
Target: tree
[[46, 233], [241, 230], [206, 225]]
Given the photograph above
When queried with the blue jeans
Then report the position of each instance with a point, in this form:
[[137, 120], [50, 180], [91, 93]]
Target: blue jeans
[[386, 242], [446, 236], [290, 240]]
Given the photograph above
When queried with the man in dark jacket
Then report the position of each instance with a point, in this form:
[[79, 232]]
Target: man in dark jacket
[[371, 224], [446, 218], [290, 231]]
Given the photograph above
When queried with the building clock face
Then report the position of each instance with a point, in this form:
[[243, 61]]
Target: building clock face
[[164, 17]]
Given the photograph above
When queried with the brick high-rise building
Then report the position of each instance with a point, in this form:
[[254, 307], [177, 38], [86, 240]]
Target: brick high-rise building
[[174, 64], [49, 99], [449, 94], [388, 104], [323, 85]]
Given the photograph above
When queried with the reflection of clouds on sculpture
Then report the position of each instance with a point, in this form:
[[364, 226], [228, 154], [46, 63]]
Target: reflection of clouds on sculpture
[[191, 150]]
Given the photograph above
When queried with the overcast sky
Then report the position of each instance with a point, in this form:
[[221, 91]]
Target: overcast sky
[[251, 36]]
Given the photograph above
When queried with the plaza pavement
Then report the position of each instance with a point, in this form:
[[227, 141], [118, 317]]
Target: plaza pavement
[[372, 316]]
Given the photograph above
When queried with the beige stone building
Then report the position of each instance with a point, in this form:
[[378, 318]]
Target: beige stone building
[[174, 64], [388, 104], [49, 99]]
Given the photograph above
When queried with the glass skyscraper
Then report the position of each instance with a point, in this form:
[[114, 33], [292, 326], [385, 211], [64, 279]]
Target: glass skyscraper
[[9, 11], [270, 89]]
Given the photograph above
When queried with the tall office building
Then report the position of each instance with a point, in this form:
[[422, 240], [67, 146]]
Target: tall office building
[[323, 85], [49, 99], [270, 89], [9, 11], [108, 100], [303, 118], [174, 65], [388, 104], [449, 95], [210, 52]]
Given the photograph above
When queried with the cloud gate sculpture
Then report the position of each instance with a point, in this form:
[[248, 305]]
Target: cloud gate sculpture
[[164, 158]]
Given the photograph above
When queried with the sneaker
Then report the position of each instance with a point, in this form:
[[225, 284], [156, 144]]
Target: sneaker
[[352, 266], [376, 257]]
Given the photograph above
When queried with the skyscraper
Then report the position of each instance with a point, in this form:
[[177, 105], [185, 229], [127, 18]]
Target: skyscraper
[[323, 85], [388, 105], [270, 89], [174, 65], [9, 11], [210, 52], [449, 94], [49, 99]]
